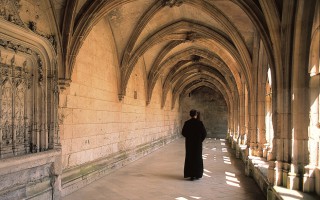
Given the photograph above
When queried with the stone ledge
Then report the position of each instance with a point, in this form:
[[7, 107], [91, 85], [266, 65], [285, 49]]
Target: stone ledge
[[282, 193], [257, 168], [14, 164], [80, 176], [31, 176], [259, 171]]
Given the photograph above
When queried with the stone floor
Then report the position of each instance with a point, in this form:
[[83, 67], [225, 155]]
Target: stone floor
[[160, 176]]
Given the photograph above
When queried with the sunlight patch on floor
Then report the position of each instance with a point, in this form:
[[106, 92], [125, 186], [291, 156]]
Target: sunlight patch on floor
[[182, 198], [233, 184], [226, 160], [224, 150], [232, 180], [230, 174]]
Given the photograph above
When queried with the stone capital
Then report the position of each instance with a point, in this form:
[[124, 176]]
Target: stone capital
[[64, 83]]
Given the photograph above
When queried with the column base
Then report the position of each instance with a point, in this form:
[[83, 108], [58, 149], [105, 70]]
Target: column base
[[285, 170], [271, 172], [293, 181], [308, 184]]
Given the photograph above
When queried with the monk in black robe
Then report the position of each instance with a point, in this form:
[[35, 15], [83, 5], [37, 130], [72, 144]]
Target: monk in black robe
[[195, 133]]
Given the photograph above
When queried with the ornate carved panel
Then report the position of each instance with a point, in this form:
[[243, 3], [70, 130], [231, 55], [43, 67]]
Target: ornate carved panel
[[28, 93], [14, 93], [172, 3], [9, 10]]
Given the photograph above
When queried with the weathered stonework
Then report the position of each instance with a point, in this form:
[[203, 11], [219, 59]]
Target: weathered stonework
[[99, 133], [212, 107], [94, 85], [28, 123]]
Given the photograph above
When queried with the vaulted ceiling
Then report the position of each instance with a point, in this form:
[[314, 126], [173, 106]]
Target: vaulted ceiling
[[187, 43]]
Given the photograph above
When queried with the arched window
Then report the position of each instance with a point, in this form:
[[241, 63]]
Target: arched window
[[268, 109]]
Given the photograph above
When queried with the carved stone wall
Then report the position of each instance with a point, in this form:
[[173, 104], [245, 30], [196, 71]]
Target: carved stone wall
[[24, 90], [28, 111], [15, 115]]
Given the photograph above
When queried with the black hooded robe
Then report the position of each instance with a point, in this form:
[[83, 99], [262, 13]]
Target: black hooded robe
[[195, 133]]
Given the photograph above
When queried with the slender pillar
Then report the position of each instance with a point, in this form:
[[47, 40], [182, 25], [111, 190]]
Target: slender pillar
[[0, 106], [13, 116], [261, 93], [300, 91], [242, 115]]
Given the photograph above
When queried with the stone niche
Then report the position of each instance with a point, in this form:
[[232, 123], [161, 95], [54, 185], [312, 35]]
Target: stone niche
[[30, 156], [213, 110]]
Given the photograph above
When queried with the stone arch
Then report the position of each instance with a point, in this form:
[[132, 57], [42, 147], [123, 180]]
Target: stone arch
[[199, 32], [212, 83], [212, 59], [198, 67], [97, 9], [194, 79], [203, 6]]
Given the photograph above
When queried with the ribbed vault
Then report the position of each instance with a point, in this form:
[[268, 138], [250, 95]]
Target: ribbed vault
[[216, 44], [96, 84]]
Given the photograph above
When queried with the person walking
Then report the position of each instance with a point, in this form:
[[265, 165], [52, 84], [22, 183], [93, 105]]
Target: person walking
[[194, 132]]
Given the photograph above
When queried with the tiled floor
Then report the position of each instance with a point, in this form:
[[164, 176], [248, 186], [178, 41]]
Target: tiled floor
[[160, 176]]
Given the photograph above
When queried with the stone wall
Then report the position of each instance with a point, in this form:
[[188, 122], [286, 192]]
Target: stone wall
[[213, 109], [99, 133], [32, 176]]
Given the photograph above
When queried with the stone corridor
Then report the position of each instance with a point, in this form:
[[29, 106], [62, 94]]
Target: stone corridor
[[159, 175], [98, 90]]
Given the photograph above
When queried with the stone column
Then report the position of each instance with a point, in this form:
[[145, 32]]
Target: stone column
[[0, 106], [252, 99], [230, 124], [235, 120], [300, 91], [246, 115], [242, 115], [261, 97]]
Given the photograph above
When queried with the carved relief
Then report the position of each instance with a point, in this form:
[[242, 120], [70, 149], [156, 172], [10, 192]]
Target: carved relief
[[14, 83], [17, 48], [172, 3], [40, 70], [9, 10], [22, 103], [49, 37]]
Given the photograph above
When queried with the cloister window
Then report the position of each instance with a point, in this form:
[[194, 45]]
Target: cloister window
[[268, 109]]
